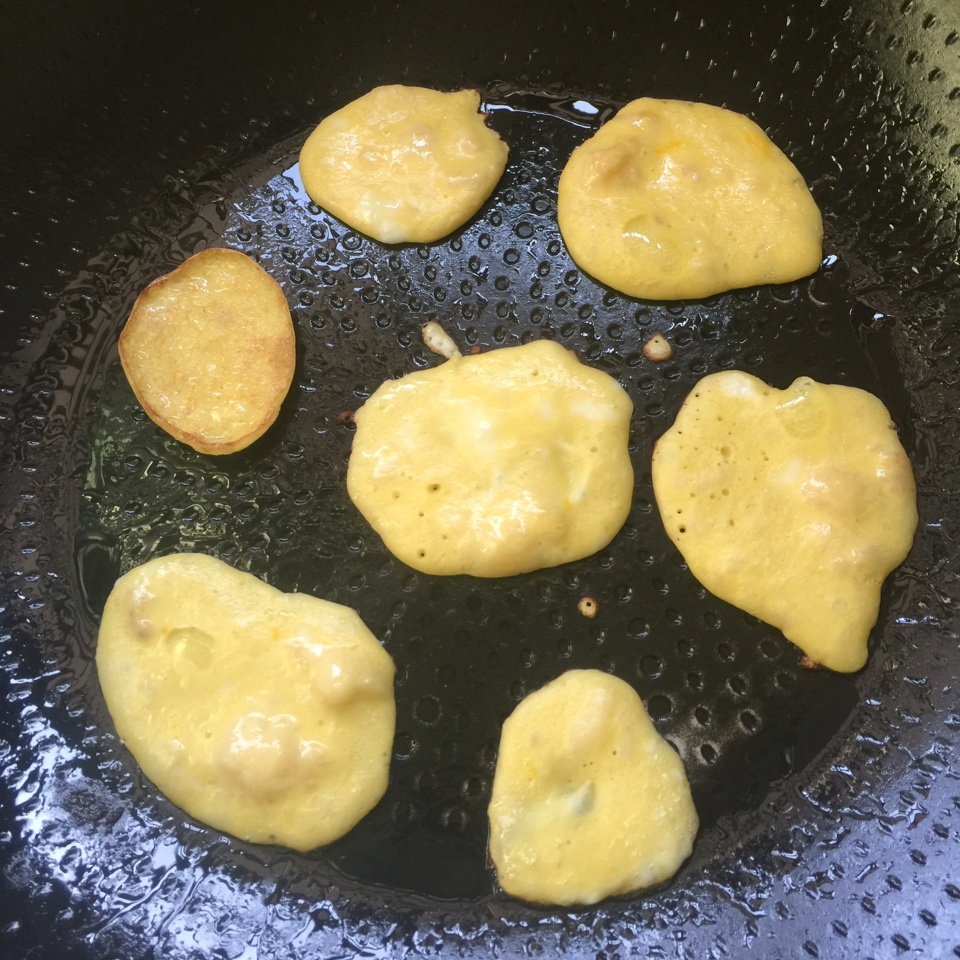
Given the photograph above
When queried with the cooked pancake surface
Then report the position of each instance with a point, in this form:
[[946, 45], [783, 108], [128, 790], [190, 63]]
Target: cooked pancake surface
[[404, 164], [495, 464], [209, 350], [675, 200], [588, 799], [267, 715], [793, 505]]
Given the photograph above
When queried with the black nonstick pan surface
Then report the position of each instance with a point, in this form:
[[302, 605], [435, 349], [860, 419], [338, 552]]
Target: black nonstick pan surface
[[135, 136]]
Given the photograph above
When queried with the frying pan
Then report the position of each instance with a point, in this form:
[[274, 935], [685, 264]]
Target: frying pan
[[137, 134]]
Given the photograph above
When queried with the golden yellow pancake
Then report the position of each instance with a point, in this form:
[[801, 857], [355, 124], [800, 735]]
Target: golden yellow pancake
[[266, 715], [209, 351], [588, 799], [404, 164], [673, 200], [496, 463], [793, 505]]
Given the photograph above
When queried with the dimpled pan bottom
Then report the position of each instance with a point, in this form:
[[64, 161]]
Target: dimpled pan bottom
[[781, 759]]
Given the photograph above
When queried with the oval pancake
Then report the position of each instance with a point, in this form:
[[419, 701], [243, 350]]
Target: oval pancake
[[588, 800], [793, 505], [672, 200], [209, 351], [266, 715], [495, 464], [404, 164]]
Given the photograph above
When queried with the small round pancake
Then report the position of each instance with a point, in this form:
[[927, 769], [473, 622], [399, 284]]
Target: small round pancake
[[495, 464], [266, 715], [210, 351], [404, 164], [672, 200], [588, 801], [793, 505]]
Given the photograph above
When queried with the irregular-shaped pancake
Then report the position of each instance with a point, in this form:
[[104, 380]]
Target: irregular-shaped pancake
[[588, 799], [495, 464], [404, 164], [264, 714], [793, 505], [209, 351], [674, 200]]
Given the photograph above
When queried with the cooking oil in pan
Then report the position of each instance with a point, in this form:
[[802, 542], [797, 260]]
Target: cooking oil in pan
[[726, 690]]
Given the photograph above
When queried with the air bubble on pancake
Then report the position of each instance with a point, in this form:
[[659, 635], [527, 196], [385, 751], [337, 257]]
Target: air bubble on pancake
[[191, 645]]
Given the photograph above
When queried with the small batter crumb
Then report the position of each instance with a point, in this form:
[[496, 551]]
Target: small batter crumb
[[657, 349], [587, 607], [438, 340]]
